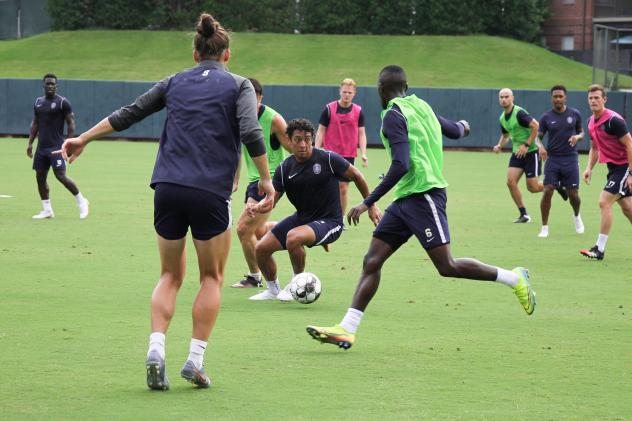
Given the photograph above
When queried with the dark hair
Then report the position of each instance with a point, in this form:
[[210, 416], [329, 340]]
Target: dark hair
[[595, 88], [393, 77], [49, 75], [299, 124], [211, 38], [558, 88], [256, 85]]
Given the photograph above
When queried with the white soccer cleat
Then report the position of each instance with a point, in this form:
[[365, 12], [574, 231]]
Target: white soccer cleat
[[579, 225], [285, 295], [263, 295], [45, 214], [84, 209], [544, 232]]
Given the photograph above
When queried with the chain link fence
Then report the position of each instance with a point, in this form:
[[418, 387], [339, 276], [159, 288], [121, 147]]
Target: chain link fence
[[612, 57]]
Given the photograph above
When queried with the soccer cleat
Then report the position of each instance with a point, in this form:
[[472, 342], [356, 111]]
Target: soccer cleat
[[544, 232], [335, 335], [593, 253], [562, 192], [285, 295], [263, 295], [156, 372], [523, 290], [84, 209], [523, 219], [45, 214], [249, 281], [195, 375], [579, 225]]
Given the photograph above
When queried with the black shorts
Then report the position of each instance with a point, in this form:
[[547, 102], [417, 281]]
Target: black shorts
[[562, 171], [530, 163], [327, 230], [617, 180], [43, 159], [252, 191], [176, 208], [422, 215]]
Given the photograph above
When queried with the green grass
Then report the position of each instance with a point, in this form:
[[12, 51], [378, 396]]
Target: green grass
[[74, 300], [434, 61]]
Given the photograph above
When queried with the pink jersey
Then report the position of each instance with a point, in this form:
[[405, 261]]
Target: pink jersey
[[342, 133], [610, 149]]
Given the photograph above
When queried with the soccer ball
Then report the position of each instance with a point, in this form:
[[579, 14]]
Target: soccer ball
[[305, 288]]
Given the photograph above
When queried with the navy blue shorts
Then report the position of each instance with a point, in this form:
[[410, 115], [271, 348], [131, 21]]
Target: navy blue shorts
[[421, 214], [530, 163], [562, 171], [617, 180], [252, 191], [43, 159], [327, 230], [176, 208]]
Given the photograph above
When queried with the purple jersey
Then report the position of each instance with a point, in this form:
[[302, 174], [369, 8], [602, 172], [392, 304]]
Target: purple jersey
[[51, 116], [560, 127]]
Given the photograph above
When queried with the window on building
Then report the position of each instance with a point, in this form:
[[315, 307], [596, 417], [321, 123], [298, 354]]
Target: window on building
[[568, 1], [568, 43]]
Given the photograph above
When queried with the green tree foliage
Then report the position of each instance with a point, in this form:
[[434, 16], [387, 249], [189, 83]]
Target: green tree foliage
[[519, 19]]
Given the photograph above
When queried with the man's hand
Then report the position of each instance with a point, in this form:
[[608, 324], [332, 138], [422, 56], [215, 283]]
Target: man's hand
[[466, 127], [265, 205], [629, 180], [543, 153], [353, 216], [365, 161], [29, 151], [71, 149], [587, 176], [235, 186], [572, 140], [497, 148], [522, 151], [375, 215]]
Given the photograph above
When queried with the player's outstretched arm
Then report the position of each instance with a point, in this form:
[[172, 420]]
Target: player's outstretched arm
[[353, 216], [453, 129]]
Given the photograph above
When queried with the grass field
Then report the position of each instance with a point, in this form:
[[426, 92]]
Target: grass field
[[74, 300], [434, 61]]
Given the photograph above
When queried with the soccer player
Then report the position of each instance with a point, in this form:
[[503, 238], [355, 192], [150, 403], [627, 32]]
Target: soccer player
[[561, 172], [250, 229], [341, 130], [517, 124], [209, 112], [310, 178], [612, 145], [411, 134], [50, 113]]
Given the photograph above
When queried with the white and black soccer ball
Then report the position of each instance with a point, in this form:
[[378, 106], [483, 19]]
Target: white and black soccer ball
[[305, 288]]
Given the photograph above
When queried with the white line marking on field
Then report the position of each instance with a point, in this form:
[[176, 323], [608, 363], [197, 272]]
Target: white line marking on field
[[4, 196]]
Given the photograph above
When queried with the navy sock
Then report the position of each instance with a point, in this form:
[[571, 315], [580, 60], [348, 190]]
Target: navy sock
[[523, 211]]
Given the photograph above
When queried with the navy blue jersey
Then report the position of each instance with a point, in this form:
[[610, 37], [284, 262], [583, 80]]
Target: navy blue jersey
[[524, 119], [324, 115], [209, 112], [312, 186], [560, 127], [51, 117]]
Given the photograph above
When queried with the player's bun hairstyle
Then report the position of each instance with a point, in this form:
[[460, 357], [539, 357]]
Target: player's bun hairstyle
[[49, 75], [595, 88], [256, 85], [558, 88], [211, 39], [299, 124]]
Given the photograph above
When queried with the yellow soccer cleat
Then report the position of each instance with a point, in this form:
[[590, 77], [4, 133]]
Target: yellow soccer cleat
[[523, 290], [335, 335]]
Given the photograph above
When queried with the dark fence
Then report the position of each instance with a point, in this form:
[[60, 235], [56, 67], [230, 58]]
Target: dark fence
[[23, 18], [93, 100]]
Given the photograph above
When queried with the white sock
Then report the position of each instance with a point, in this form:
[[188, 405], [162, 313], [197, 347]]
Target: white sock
[[601, 242], [545, 229], [47, 206], [157, 343], [507, 277], [257, 275], [273, 286], [196, 352], [352, 320], [79, 198]]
